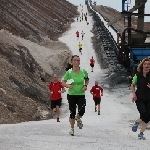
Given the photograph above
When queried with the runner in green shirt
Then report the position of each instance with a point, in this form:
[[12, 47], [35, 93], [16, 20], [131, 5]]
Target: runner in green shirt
[[134, 80], [76, 79]]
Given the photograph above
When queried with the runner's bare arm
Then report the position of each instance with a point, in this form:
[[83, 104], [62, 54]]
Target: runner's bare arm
[[86, 81], [63, 90], [133, 91]]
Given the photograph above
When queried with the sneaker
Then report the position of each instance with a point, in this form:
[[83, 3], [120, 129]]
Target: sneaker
[[141, 137], [79, 124], [99, 113], [76, 118], [58, 120], [95, 110], [71, 132], [135, 126]]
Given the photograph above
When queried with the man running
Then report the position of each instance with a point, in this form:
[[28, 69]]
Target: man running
[[97, 92], [56, 89], [80, 47], [82, 33], [92, 62], [77, 34]]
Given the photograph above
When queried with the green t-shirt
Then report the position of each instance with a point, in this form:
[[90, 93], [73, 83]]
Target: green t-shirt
[[76, 80], [134, 80]]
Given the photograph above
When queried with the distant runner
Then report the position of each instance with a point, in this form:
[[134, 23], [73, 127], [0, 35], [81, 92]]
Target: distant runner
[[97, 92], [77, 34], [56, 89], [86, 18], [92, 62], [80, 47], [82, 33], [80, 19]]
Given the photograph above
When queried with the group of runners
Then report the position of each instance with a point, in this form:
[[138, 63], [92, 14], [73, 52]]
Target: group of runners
[[76, 80], [83, 15], [82, 33]]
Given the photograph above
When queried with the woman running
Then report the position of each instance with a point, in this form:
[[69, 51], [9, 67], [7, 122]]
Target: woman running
[[78, 81], [142, 96]]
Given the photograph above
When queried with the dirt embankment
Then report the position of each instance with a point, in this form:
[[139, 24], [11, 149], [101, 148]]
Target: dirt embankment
[[110, 13], [30, 54]]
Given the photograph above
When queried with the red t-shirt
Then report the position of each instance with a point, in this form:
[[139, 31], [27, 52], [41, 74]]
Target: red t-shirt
[[55, 88], [96, 90], [92, 61], [77, 33]]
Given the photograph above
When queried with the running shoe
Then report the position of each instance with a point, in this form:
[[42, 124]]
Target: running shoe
[[71, 132], [135, 126], [79, 124], [58, 120], [141, 137]]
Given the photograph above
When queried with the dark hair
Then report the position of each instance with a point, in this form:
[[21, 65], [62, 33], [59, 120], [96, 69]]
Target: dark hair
[[69, 66], [74, 56]]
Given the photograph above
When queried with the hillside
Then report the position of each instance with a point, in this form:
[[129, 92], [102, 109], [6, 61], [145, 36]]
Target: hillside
[[110, 13], [30, 54]]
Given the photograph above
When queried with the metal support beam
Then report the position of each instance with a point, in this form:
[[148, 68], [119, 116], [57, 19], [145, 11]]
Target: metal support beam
[[140, 23], [138, 4], [135, 14]]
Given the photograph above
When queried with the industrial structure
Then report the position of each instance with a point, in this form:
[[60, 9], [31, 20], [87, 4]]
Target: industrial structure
[[132, 46]]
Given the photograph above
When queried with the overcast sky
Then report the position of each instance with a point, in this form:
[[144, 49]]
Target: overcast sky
[[116, 4]]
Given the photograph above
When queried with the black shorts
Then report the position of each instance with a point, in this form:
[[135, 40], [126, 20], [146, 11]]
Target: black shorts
[[92, 65], [144, 110], [97, 101], [68, 97], [80, 49], [77, 100], [55, 103]]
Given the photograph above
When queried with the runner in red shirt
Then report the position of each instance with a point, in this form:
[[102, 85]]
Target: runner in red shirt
[[97, 92], [92, 62], [56, 89], [77, 34]]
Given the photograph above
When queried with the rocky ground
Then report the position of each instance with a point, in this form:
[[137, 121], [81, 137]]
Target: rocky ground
[[30, 54]]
